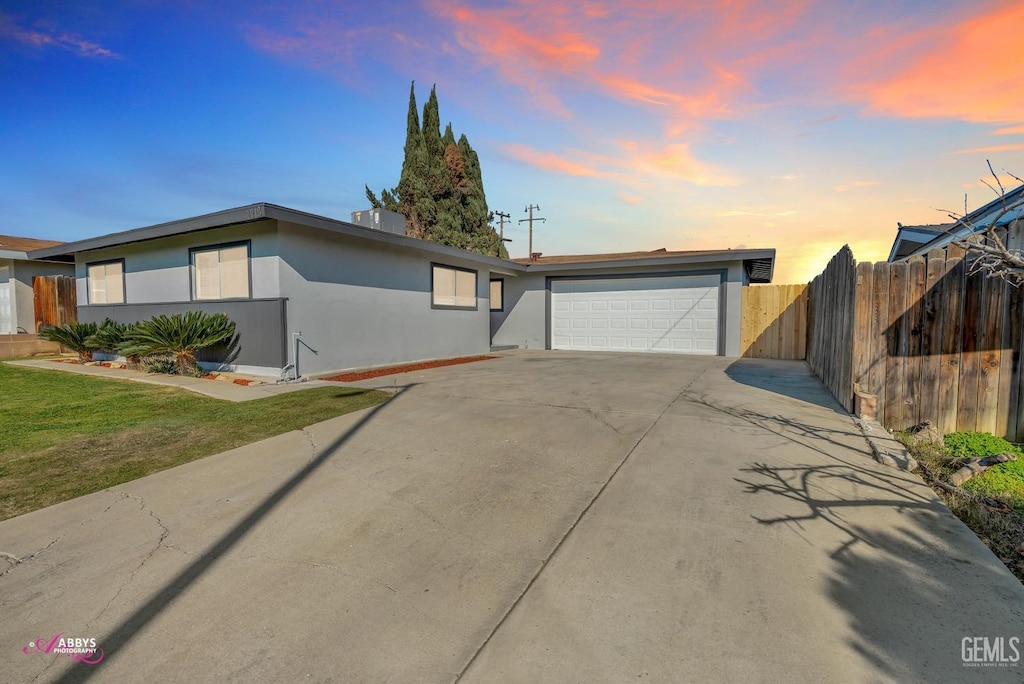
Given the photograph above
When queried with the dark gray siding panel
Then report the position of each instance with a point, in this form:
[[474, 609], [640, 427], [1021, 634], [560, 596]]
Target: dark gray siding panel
[[260, 325]]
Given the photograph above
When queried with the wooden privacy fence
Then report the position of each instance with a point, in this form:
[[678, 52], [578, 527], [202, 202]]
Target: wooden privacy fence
[[774, 322], [930, 341], [55, 300], [830, 309]]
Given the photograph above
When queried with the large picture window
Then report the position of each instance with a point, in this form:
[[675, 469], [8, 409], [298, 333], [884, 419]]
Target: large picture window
[[106, 282], [220, 272], [453, 288]]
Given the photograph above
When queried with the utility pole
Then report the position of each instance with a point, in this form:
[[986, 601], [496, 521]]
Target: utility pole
[[529, 208], [501, 223], [501, 228]]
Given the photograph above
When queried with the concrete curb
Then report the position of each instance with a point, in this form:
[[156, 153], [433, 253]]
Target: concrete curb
[[211, 388], [885, 448]]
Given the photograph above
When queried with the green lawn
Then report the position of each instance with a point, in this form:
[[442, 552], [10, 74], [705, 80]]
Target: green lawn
[[64, 435]]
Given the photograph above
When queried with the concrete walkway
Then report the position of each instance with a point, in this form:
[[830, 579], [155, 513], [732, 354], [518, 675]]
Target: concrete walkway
[[542, 517], [211, 388]]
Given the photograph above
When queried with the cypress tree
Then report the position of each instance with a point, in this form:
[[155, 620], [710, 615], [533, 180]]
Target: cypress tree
[[440, 191]]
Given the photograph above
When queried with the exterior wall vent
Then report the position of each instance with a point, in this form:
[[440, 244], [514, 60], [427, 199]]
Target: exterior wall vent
[[380, 219]]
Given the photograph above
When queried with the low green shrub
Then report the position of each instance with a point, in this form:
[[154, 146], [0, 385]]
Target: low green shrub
[[1005, 480], [74, 336], [179, 335], [977, 445], [159, 364], [109, 337]]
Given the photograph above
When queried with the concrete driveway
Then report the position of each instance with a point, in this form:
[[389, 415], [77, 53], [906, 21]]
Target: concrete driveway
[[542, 517]]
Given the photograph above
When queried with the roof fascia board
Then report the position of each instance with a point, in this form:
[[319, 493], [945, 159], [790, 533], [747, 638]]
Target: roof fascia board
[[734, 255], [258, 212], [362, 232], [28, 256], [220, 219]]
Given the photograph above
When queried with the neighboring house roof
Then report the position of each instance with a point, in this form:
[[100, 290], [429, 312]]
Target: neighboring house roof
[[979, 220], [759, 263], [909, 238], [12, 247]]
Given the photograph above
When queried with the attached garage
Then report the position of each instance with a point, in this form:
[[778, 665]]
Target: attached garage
[[669, 314]]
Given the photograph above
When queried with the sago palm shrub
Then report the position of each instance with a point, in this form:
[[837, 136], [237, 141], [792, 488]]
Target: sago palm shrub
[[110, 337], [73, 335], [179, 335]]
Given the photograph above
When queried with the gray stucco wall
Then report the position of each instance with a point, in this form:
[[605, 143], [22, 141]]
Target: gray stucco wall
[[22, 298], [160, 270], [524, 322], [369, 304], [259, 327]]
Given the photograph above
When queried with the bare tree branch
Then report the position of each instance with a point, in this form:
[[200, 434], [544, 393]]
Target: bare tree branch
[[987, 250], [996, 176]]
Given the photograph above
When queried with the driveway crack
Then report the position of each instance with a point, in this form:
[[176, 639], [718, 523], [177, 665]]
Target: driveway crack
[[15, 561], [312, 441], [164, 532], [572, 528]]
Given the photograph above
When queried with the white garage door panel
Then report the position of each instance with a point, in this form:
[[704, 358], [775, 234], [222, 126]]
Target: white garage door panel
[[672, 314]]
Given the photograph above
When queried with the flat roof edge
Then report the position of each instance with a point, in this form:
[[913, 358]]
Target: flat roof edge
[[219, 219], [705, 257]]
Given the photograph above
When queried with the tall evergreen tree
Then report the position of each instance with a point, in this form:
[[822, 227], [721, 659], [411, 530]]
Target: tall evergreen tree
[[440, 191]]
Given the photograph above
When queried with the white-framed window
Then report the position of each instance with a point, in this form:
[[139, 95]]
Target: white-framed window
[[221, 272], [106, 282], [498, 294], [453, 288]]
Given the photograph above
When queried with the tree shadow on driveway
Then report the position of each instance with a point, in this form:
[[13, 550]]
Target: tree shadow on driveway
[[114, 642], [912, 581]]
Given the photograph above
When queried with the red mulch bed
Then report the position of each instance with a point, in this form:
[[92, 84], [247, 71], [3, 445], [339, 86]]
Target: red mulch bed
[[391, 370]]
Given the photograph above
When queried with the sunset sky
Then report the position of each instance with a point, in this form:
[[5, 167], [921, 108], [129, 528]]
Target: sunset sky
[[634, 125]]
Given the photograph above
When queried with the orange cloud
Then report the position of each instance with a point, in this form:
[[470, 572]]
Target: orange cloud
[[629, 51], [992, 148], [65, 41], [1009, 130], [549, 161], [525, 50], [676, 161], [970, 71], [633, 166]]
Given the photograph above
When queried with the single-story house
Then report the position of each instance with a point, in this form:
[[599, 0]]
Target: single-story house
[[910, 238], [311, 294], [17, 269], [1000, 212]]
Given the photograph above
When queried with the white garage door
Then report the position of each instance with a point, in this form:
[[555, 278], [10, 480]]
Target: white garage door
[[659, 314], [5, 303]]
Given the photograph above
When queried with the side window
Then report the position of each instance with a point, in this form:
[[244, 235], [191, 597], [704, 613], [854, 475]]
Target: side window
[[453, 288], [106, 282], [221, 272], [498, 295]]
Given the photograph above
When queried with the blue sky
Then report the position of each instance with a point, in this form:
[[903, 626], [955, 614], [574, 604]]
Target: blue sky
[[634, 125]]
